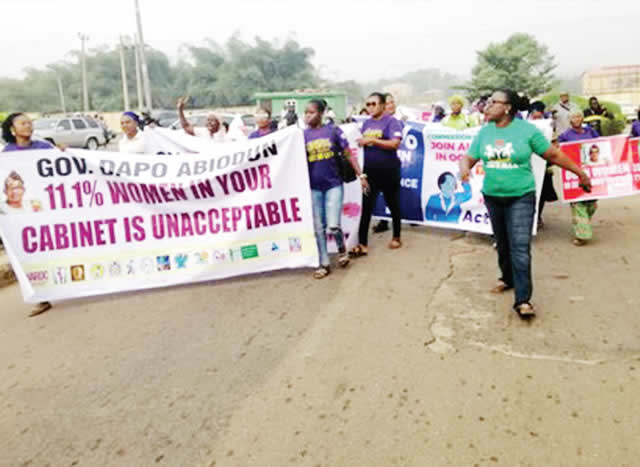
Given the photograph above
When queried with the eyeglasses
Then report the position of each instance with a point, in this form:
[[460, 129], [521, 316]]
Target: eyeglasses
[[371, 104]]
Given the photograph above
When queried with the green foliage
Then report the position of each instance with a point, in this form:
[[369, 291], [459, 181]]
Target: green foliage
[[520, 63], [609, 127], [213, 75]]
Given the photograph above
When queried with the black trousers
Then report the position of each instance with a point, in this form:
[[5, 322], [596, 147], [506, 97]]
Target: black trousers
[[386, 181]]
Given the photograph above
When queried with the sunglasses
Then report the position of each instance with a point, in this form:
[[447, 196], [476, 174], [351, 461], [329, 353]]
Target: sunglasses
[[371, 104]]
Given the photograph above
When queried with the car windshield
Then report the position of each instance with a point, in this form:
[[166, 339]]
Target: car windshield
[[44, 123]]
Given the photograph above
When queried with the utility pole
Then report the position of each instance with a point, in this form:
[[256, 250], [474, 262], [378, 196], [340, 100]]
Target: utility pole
[[123, 70], [143, 60], [136, 52], [85, 90], [61, 92]]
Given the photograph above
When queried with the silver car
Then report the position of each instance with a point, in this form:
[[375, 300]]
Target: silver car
[[75, 132]]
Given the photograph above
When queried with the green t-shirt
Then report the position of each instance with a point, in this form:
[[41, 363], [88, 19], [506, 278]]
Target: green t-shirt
[[506, 156]]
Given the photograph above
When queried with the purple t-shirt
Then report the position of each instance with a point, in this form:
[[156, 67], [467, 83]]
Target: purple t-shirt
[[635, 129], [387, 127], [35, 144], [260, 133], [573, 135], [324, 145]]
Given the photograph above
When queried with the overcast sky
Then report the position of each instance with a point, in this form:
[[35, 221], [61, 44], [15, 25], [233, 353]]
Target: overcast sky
[[353, 39]]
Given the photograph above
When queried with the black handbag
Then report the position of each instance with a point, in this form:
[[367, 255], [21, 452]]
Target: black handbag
[[347, 173]]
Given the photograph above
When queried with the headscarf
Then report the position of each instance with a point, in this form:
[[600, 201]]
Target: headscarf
[[133, 116]]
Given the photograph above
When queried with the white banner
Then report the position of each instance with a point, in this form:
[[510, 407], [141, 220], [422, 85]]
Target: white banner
[[81, 223], [165, 141]]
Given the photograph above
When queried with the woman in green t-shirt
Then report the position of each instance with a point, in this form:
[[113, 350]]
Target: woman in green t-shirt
[[505, 146]]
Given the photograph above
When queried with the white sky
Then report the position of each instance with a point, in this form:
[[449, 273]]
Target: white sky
[[353, 39]]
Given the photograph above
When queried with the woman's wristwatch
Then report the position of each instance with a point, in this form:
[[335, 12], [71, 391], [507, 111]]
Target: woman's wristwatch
[[362, 176]]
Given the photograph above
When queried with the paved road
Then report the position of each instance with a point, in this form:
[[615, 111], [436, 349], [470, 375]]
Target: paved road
[[404, 359]]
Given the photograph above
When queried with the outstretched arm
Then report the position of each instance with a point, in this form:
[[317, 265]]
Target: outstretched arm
[[186, 126]]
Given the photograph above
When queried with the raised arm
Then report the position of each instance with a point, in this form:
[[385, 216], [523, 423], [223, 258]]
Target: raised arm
[[186, 126]]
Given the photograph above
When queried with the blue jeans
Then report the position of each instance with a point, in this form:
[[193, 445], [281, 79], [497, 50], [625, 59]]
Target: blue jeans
[[512, 222], [327, 210]]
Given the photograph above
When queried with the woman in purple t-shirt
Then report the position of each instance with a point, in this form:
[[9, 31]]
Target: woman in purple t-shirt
[[324, 145], [263, 121], [382, 135], [17, 131]]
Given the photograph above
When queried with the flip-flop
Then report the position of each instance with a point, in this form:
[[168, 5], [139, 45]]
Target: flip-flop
[[40, 308], [359, 250], [343, 260], [500, 287], [525, 310], [395, 243], [321, 272]]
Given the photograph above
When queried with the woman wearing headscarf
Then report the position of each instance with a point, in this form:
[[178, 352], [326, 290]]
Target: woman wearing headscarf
[[132, 140], [581, 211], [17, 131], [505, 145], [457, 119]]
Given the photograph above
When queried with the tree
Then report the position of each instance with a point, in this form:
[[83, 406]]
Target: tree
[[520, 63]]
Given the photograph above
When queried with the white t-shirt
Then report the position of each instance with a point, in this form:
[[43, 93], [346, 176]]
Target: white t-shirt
[[134, 145], [219, 136], [27, 206]]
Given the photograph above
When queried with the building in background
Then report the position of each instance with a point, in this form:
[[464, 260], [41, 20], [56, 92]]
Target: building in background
[[619, 84]]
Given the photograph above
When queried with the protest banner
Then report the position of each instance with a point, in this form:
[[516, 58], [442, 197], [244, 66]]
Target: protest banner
[[612, 163], [165, 141], [431, 191], [81, 223]]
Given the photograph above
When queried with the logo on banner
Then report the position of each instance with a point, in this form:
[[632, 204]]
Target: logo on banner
[[38, 277], [163, 263], [249, 251], [96, 271], [60, 275], [131, 267], [201, 257], [77, 273], [115, 269], [235, 254], [295, 244], [220, 256], [146, 265], [181, 261]]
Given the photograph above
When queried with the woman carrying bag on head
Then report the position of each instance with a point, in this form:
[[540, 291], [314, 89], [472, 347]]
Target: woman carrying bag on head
[[325, 146]]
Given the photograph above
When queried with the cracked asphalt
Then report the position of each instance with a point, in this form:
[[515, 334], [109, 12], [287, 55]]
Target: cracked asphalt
[[402, 359]]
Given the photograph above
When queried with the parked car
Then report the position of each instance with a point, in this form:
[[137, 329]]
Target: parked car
[[75, 132]]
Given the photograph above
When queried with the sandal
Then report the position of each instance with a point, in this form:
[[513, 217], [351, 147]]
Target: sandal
[[395, 243], [343, 260], [40, 308], [500, 287], [321, 272], [359, 250], [525, 310]]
